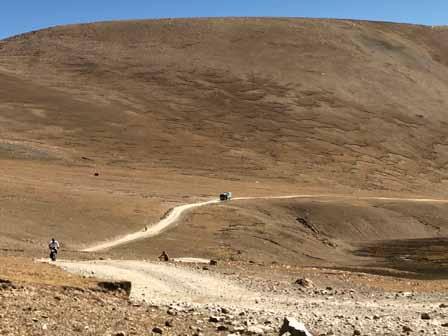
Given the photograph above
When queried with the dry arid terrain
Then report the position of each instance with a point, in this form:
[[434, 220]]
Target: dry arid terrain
[[105, 127]]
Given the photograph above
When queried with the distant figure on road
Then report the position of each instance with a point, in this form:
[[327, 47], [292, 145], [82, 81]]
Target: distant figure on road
[[54, 248], [54, 244], [164, 257]]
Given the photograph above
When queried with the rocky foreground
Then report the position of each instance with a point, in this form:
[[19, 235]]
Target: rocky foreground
[[46, 310], [327, 302]]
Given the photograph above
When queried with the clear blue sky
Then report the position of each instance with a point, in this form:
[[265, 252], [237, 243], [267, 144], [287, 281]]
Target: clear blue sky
[[18, 16]]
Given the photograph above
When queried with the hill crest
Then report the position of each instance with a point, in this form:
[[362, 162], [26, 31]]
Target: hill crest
[[353, 103]]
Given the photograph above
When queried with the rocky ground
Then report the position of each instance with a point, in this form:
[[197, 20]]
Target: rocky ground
[[254, 301], [47, 310]]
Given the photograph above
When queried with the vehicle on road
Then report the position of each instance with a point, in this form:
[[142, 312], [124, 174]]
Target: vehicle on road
[[53, 254], [225, 196], [54, 248]]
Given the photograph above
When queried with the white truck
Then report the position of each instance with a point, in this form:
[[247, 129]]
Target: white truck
[[225, 196]]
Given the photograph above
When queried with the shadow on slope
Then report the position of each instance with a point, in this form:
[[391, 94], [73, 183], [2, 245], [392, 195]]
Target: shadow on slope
[[422, 258]]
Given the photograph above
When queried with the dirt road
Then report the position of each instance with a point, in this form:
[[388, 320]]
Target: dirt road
[[165, 283], [172, 217], [175, 214]]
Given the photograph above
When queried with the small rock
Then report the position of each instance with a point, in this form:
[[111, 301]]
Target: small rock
[[213, 262], [157, 330], [255, 330], [78, 328], [425, 316], [406, 329], [222, 328], [238, 329], [213, 319], [168, 324], [356, 332], [294, 327], [171, 312], [443, 305]]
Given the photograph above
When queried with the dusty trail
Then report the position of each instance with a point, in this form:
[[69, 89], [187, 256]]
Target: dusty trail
[[176, 212], [151, 231], [165, 283]]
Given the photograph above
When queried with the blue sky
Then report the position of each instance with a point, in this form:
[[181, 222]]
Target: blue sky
[[18, 16]]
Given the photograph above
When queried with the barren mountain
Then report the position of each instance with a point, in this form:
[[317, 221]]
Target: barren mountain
[[172, 111], [105, 127], [358, 104]]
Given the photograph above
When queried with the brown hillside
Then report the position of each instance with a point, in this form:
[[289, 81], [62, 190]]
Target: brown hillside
[[172, 111], [358, 104]]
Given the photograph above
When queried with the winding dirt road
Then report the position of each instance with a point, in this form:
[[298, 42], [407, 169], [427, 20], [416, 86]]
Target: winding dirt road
[[175, 214], [177, 285], [172, 217]]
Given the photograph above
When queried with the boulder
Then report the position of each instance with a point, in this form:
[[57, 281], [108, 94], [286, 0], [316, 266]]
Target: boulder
[[6, 284], [116, 286], [294, 327], [304, 282]]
